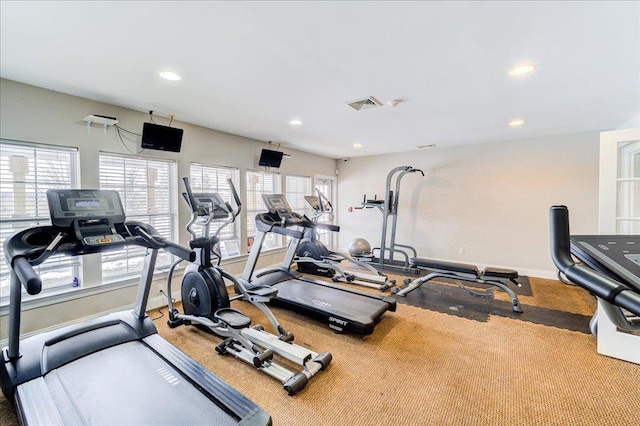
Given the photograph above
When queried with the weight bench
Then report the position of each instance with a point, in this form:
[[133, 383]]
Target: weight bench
[[463, 272]]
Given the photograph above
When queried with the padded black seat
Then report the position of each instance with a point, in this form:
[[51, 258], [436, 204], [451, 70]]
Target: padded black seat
[[464, 268], [508, 274]]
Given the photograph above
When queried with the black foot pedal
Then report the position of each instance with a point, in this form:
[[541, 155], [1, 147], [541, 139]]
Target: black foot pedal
[[232, 318]]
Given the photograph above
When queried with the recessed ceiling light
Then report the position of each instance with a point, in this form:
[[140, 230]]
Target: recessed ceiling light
[[521, 70], [357, 145], [295, 122], [168, 75], [518, 122]]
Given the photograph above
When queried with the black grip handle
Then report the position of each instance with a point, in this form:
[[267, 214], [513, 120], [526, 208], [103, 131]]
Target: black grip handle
[[158, 242], [27, 275], [559, 237], [236, 197], [600, 285], [329, 226], [181, 252], [293, 233], [190, 197]]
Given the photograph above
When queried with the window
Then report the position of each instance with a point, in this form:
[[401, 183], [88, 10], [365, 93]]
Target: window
[[628, 188], [296, 188], [205, 178], [619, 193], [148, 191], [259, 183], [326, 185], [27, 171]]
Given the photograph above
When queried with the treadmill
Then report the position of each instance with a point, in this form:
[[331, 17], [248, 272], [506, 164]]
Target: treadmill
[[110, 370], [609, 269], [342, 308]]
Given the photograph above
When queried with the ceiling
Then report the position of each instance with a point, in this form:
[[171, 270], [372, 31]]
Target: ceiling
[[249, 68]]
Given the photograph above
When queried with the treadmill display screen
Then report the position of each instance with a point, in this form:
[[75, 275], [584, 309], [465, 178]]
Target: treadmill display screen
[[276, 203], [86, 204], [313, 201], [67, 205]]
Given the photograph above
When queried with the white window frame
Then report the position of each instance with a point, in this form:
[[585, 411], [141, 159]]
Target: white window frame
[[614, 202], [26, 172], [253, 200], [131, 258]]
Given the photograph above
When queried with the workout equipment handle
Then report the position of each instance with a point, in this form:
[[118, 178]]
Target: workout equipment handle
[[158, 242], [27, 275], [190, 198], [287, 232], [329, 226], [594, 282], [236, 197]]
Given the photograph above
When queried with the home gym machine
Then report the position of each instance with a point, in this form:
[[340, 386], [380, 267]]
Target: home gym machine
[[206, 302], [344, 309], [313, 257], [115, 369], [609, 270], [385, 255], [460, 272]]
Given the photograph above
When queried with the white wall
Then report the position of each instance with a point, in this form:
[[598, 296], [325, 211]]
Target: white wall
[[491, 199], [32, 114]]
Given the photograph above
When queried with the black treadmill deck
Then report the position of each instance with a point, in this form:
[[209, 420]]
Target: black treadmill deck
[[345, 309]]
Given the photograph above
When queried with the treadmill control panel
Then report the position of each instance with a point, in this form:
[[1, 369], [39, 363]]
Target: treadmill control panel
[[99, 240], [614, 255], [86, 207], [280, 211], [313, 201], [277, 204], [92, 214]]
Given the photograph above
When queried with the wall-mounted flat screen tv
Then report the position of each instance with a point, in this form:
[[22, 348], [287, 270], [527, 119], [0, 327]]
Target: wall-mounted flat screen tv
[[163, 138], [269, 158]]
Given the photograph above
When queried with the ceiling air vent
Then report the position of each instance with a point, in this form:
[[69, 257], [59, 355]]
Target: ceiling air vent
[[366, 103]]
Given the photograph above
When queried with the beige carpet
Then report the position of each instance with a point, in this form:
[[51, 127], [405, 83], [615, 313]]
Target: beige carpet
[[426, 368]]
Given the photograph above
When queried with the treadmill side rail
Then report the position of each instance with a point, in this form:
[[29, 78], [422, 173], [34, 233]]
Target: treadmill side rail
[[247, 412]]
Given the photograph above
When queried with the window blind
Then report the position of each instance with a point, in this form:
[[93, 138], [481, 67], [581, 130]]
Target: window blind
[[259, 183], [296, 188], [148, 192], [27, 171]]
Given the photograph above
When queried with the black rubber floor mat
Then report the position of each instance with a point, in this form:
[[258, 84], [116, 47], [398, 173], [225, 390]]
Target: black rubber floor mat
[[453, 300]]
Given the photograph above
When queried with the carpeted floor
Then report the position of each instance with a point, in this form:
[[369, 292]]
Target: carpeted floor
[[424, 367]]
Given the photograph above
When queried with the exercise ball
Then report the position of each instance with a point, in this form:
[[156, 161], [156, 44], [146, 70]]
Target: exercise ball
[[359, 246]]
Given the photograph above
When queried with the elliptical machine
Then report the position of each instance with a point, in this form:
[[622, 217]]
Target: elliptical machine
[[313, 257], [206, 302]]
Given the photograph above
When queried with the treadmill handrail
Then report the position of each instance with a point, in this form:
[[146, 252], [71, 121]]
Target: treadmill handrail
[[27, 275], [596, 283]]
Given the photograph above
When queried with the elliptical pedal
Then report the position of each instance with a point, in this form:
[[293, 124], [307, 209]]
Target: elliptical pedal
[[232, 318]]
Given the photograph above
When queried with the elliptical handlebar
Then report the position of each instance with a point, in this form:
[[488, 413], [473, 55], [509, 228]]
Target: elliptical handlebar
[[191, 199], [236, 198]]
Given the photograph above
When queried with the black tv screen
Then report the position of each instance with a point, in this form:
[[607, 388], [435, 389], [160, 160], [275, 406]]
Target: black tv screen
[[269, 158], [163, 138]]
